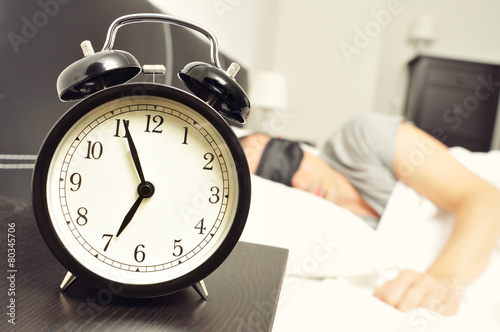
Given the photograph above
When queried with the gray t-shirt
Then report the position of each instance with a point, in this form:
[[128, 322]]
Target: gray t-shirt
[[363, 151]]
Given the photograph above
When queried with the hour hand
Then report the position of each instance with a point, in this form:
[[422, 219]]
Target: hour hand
[[145, 190], [130, 215], [133, 152]]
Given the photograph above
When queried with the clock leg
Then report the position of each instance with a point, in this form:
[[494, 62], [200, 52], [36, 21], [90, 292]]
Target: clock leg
[[201, 289], [68, 280]]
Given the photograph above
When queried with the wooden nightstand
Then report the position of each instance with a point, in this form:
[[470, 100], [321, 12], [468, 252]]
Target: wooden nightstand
[[455, 101]]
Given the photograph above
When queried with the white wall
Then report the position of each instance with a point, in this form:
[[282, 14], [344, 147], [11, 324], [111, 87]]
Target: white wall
[[244, 28], [341, 58], [301, 39], [327, 85]]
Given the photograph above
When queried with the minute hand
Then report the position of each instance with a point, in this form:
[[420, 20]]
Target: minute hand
[[135, 155]]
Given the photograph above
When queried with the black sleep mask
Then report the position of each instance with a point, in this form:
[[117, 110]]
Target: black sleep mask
[[280, 160]]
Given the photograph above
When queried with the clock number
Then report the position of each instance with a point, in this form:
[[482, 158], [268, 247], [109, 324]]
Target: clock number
[[82, 216], [215, 195], [139, 255], [94, 151], [177, 247], [157, 119], [210, 157], [109, 240], [200, 226], [185, 135], [76, 180], [117, 133]]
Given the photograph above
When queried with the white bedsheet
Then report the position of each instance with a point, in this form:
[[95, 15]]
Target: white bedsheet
[[336, 260]]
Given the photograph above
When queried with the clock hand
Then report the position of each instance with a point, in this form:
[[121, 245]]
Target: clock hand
[[130, 214], [133, 152], [145, 190]]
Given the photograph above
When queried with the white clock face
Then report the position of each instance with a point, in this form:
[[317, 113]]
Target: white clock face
[[181, 216]]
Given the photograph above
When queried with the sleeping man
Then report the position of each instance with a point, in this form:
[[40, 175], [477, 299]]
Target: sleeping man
[[357, 169]]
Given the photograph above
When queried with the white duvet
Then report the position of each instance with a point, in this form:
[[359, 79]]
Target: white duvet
[[336, 260]]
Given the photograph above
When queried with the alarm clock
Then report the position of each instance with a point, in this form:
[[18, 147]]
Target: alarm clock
[[143, 185]]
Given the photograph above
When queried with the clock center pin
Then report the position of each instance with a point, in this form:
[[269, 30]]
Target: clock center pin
[[146, 189]]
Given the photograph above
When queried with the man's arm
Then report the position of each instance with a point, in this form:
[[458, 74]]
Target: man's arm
[[425, 164]]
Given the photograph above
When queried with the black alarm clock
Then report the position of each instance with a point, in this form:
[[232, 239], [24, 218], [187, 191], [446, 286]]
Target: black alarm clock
[[142, 184]]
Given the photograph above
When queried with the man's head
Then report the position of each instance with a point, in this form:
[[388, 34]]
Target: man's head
[[286, 162]]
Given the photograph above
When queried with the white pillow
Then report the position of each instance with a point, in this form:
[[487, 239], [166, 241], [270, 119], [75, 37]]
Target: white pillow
[[323, 238]]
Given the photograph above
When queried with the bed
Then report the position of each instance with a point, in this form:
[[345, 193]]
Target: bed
[[336, 260]]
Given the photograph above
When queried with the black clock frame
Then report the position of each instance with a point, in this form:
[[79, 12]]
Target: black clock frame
[[56, 134]]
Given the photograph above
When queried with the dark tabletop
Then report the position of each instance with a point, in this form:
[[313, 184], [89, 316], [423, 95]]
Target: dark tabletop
[[243, 292]]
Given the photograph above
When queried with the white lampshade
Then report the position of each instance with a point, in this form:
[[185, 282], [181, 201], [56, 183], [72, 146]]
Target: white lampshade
[[268, 97], [423, 31], [268, 90]]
